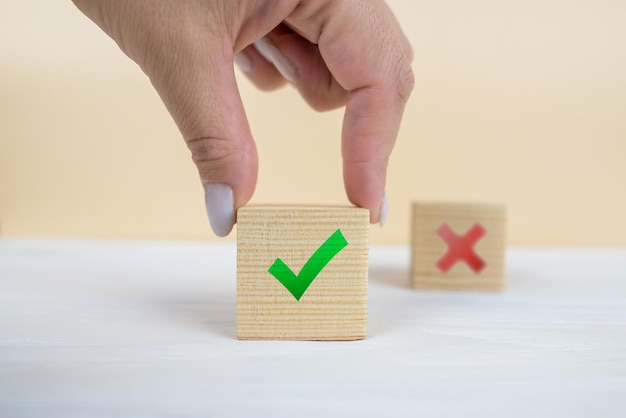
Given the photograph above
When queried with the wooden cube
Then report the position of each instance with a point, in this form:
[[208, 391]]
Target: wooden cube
[[328, 245], [458, 246]]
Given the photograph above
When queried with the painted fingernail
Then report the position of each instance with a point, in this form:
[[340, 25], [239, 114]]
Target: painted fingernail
[[269, 51], [383, 210], [220, 207], [242, 61]]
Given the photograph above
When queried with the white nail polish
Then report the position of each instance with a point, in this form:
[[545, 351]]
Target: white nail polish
[[269, 51], [242, 61], [220, 207], [383, 210]]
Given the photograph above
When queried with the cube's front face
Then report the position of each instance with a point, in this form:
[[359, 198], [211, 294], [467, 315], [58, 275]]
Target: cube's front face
[[302, 273], [457, 246]]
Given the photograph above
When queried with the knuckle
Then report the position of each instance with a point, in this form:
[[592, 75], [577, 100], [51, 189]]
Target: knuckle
[[405, 80], [209, 152]]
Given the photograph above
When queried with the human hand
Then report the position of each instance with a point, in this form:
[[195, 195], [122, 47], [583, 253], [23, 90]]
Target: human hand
[[334, 52]]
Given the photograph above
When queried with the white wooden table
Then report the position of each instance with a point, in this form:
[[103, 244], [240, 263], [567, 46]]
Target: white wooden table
[[144, 329]]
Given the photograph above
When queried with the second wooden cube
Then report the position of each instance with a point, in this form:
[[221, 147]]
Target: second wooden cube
[[458, 246]]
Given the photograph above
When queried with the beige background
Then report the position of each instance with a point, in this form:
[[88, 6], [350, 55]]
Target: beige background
[[522, 102]]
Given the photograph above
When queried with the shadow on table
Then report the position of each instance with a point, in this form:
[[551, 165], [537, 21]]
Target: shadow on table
[[389, 297], [215, 313], [396, 277]]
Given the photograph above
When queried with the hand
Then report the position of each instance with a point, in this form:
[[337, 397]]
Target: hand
[[335, 53]]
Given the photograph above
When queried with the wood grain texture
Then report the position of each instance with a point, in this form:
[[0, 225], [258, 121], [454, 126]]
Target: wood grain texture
[[334, 307], [428, 247]]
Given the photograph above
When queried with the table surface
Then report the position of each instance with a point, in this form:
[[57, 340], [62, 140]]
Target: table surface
[[143, 329]]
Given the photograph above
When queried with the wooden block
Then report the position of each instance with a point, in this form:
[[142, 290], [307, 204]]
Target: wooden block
[[458, 246], [334, 306]]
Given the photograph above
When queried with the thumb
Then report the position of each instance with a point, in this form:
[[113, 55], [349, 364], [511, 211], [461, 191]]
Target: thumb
[[189, 60], [190, 63], [200, 91]]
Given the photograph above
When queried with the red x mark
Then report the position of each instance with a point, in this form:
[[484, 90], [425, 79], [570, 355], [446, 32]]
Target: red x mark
[[461, 248]]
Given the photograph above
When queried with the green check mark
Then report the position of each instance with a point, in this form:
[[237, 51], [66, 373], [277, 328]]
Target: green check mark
[[297, 285]]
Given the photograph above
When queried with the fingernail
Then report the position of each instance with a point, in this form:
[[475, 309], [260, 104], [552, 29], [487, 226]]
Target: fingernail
[[220, 207], [383, 210], [243, 62], [269, 51]]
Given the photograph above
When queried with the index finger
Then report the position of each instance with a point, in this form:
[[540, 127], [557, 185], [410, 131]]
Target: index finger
[[363, 49]]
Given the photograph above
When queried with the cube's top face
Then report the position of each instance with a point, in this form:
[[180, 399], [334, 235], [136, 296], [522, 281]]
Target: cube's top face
[[458, 245], [281, 225], [460, 210], [333, 306], [301, 211]]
